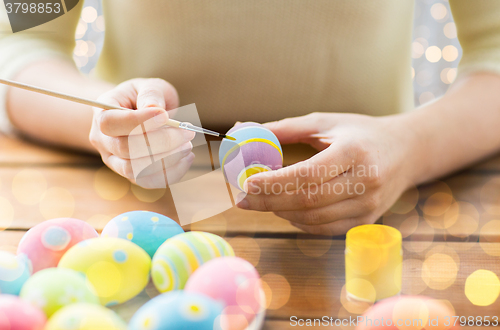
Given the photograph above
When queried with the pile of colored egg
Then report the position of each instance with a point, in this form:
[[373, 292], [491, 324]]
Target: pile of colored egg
[[255, 150], [64, 272]]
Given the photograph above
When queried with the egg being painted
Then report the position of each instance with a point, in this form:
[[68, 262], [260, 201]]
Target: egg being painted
[[14, 272], [84, 316], [53, 288], [236, 283], [180, 256], [18, 314], [147, 229], [117, 268], [45, 243], [178, 310], [255, 150]]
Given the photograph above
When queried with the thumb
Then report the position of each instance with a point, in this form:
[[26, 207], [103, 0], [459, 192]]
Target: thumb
[[294, 130]]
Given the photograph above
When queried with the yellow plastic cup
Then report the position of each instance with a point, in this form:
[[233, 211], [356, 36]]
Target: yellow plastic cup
[[373, 262]]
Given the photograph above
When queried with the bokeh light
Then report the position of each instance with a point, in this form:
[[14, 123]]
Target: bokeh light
[[57, 202], [147, 195], [450, 53], [89, 14], [438, 11], [351, 305], [439, 271], [28, 186], [433, 54], [109, 185], [277, 290], [450, 30], [406, 202], [490, 237], [482, 287], [490, 196], [313, 247]]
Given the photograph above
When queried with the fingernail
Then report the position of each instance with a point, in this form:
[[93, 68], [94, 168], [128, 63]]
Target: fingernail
[[161, 118], [243, 204]]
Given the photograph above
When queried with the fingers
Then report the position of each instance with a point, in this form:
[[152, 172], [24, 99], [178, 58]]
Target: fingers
[[309, 197], [346, 209], [162, 141], [155, 93], [293, 130], [125, 122], [320, 168]]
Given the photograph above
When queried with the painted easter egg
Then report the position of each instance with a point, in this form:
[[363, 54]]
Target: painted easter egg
[[255, 150], [53, 288], [147, 229], [181, 255], [46, 243], [84, 316], [236, 283], [117, 268], [18, 314], [408, 312], [14, 272], [178, 310]]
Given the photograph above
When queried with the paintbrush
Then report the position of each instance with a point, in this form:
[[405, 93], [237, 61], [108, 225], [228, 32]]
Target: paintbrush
[[171, 122]]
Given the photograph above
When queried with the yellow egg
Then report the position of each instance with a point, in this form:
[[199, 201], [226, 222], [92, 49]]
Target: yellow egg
[[84, 316], [116, 268]]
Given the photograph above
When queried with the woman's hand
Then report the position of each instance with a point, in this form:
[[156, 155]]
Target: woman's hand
[[122, 137], [364, 165]]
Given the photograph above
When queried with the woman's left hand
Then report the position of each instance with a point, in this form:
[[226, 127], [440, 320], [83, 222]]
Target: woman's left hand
[[364, 164]]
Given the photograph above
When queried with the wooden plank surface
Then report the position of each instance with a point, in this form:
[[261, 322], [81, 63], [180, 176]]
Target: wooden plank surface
[[306, 276], [459, 206]]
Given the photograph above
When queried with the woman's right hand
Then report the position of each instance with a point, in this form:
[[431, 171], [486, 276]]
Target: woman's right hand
[[122, 137]]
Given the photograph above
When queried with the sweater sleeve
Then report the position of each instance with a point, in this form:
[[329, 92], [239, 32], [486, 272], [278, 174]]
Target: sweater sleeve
[[478, 30], [54, 39]]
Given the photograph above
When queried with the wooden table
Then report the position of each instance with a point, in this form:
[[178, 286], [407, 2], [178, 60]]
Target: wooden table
[[457, 217]]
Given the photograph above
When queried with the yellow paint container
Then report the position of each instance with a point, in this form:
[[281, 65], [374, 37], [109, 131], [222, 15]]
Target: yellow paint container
[[373, 262]]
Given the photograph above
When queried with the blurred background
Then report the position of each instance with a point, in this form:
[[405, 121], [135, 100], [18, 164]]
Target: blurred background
[[435, 48]]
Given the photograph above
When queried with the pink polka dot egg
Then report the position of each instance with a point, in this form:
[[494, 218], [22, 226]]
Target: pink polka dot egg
[[17, 314], [236, 284], [46, 243]]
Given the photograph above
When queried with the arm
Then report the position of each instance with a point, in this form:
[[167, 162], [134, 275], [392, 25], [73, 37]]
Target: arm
[[459, 129], [49, 119]]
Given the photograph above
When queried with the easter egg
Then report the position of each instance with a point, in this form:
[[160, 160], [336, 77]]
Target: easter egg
[[117, 268], [408, 312], [255, 150], [53, 288], [177, 310], [17, 314], [84, 316], [46, 243], [147, 229], [236, 283], [181, 255], [14, 272]]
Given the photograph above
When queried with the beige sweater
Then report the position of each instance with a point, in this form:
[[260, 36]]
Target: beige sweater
[[262, 60]]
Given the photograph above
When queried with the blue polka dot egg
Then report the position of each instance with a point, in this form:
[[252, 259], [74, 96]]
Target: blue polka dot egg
[[146, 229], [14, 272], [178, 310]]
